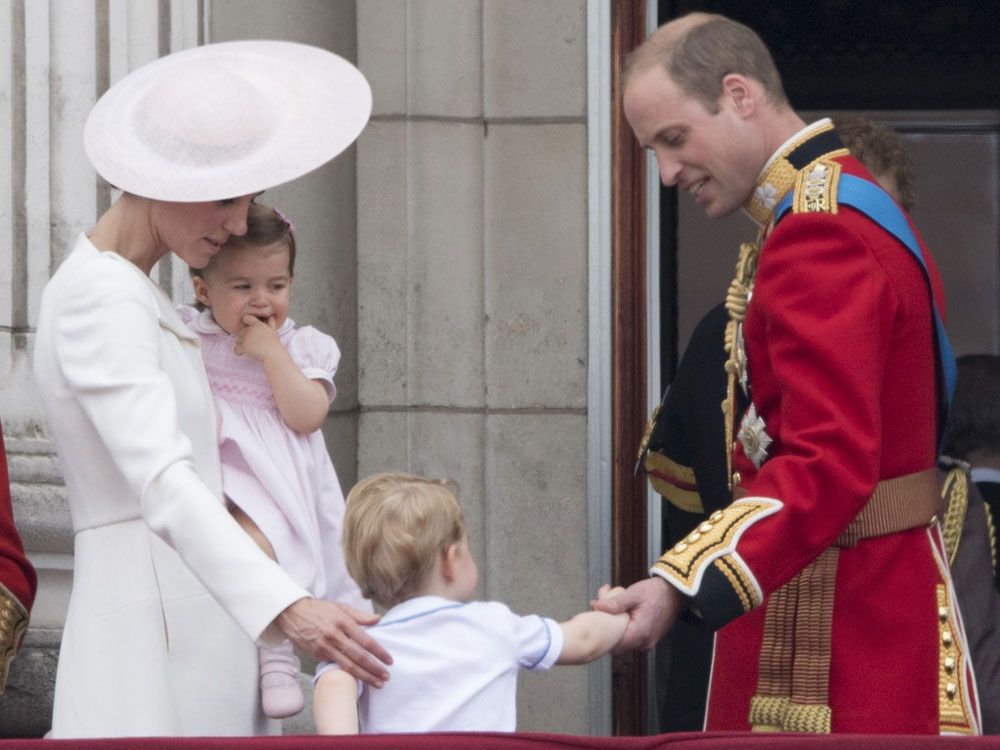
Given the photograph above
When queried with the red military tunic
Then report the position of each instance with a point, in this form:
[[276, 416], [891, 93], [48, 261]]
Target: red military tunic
[[840, 635], [17, 577]]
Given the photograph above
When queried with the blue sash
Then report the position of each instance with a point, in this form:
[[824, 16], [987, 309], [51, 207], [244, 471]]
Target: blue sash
[[877, 205]]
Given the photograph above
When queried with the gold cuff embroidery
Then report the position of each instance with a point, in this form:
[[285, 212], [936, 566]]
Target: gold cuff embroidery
[[740, 580], [685, 563]]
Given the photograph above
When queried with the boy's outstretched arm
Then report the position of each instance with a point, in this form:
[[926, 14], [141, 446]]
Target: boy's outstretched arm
[[335, 703], [590, 635]]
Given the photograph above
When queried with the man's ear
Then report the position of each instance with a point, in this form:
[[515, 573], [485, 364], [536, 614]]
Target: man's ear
[[741, 93], [200, 290]]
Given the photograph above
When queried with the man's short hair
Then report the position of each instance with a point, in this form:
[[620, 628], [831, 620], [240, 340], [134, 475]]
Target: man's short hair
[[395, 527], [880, 149], [974, 422], [698, 57]]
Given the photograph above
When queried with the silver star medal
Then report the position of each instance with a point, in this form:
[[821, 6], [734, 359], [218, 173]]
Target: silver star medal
[[753, 436]]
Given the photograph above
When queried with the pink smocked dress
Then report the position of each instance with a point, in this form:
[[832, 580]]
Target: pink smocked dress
[[282, 479]]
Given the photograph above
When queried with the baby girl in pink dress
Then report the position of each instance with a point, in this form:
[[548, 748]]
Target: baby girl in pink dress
[[272, 386]]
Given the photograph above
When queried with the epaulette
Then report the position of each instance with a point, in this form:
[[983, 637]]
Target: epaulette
[[816, 187]]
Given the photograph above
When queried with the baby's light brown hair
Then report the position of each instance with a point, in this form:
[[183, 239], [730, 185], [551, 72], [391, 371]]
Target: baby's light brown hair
[[395, 527]]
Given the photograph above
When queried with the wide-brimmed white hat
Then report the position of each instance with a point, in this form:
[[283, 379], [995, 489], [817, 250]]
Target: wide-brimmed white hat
[[226, 120]]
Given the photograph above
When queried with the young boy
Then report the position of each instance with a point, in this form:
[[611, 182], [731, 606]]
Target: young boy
[[455, 661]]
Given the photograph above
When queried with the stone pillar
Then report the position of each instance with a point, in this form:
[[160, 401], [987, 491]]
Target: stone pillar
[[58, 57], [472, 290]]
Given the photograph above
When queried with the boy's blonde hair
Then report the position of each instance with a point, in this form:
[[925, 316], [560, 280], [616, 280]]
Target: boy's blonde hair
[[395, 527]]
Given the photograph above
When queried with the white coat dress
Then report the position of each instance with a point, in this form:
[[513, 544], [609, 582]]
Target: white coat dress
[[169, 594]]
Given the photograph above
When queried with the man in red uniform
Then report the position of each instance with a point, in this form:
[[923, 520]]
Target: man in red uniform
[[828, 570], [17, 577]]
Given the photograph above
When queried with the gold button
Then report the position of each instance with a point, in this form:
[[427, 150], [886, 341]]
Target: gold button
[[717, 516], [680, 547], [946, 638], [951, 689], [737, 477], [949, 664], [943, 614], [705, 528]]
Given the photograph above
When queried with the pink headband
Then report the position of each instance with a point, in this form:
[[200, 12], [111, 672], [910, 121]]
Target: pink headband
[[286, 222]]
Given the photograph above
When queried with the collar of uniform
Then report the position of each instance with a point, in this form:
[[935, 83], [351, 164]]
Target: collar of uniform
[[778, 176]]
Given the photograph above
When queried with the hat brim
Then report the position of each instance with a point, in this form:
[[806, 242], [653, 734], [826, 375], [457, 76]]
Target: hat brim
[[314, 105]]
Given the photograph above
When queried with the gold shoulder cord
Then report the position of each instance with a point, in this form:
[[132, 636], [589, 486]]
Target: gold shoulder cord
[[955, 493], [737, 299]]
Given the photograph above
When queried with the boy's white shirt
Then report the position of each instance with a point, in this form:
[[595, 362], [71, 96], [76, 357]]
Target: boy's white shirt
[[454, 666]]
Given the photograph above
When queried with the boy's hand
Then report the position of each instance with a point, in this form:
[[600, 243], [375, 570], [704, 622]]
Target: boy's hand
[[652, 605], [257, 339], [606, 592]]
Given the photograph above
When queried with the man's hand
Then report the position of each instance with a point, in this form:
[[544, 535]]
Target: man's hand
[[652, 606], [333, 632]]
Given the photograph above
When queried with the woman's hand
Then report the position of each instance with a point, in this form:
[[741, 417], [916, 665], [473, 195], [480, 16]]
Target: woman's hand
[[334, 632]]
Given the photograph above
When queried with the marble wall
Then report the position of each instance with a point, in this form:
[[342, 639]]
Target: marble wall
[[472, 289], [446, 252]]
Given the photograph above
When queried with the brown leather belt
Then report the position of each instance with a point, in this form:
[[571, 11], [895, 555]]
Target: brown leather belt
[[896, 505], [905, 502], [793, 680]]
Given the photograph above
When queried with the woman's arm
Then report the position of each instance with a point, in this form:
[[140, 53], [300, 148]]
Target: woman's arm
[[107, 338], [302, 403]]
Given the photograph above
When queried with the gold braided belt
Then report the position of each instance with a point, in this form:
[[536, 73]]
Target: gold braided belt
[[793, 680]]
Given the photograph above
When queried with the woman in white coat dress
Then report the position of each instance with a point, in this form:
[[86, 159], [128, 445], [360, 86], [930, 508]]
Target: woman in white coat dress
[[169, 594]]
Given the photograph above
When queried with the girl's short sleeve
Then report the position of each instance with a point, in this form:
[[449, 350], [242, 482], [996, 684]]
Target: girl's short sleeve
[[317, 355]]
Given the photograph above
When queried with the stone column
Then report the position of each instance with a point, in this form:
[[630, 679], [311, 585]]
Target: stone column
[[472, 290], [58, 57]]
